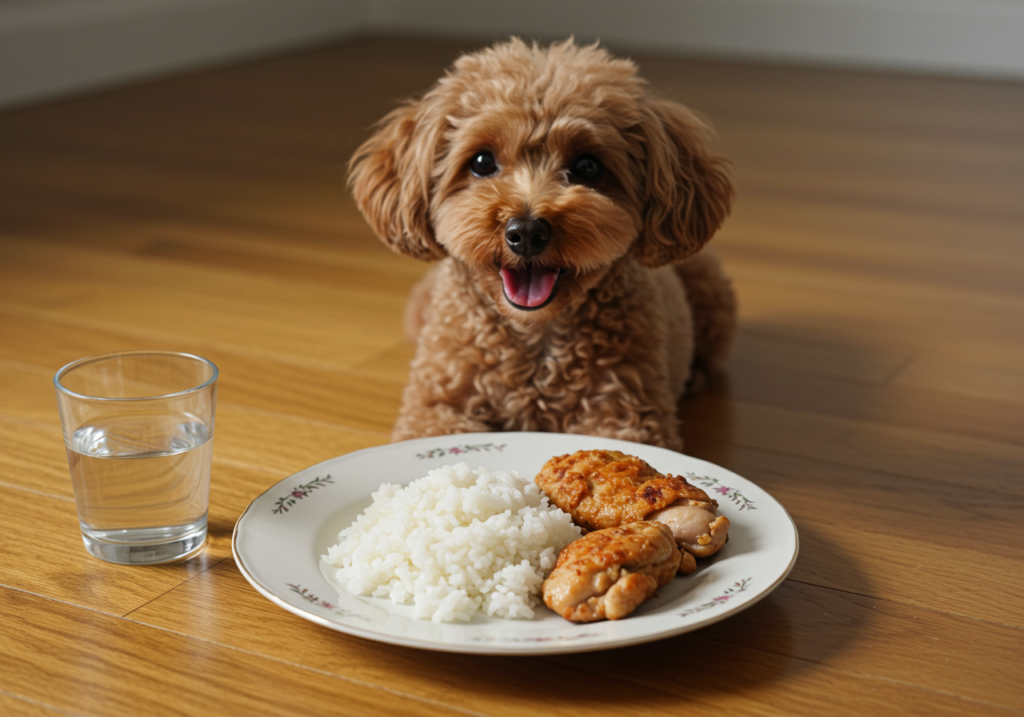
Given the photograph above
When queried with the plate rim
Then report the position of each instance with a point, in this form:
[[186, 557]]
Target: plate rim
[[508, 650]]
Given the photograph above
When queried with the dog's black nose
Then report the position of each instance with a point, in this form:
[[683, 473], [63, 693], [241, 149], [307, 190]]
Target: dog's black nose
[[527, 236]]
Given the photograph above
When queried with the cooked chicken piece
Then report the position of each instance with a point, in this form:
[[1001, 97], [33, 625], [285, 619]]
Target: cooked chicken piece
[[608, 573], [695, 527], [602, 489]]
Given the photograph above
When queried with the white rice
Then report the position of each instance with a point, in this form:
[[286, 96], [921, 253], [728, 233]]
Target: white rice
[[455, 542]]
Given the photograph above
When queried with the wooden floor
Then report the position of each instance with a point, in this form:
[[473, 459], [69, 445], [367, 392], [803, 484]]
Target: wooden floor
[[877, 390]]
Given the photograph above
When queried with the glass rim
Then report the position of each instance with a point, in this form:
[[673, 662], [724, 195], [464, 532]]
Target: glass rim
[[143, 352]]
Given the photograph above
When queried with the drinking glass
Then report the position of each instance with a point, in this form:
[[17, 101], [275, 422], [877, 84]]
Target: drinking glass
[[138, 429]]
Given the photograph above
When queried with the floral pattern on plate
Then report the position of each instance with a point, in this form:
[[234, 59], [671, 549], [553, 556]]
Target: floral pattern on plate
[[716, 487], [737, 588], [305, 594], [287, 501], [459, 450]]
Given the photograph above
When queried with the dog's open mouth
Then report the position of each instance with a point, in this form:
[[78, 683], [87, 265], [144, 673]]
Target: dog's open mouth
[[530, 287]]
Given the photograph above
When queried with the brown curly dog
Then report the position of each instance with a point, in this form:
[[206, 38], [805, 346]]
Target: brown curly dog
[[567, 206]]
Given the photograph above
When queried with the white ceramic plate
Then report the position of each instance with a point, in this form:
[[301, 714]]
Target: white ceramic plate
[[280, 537]]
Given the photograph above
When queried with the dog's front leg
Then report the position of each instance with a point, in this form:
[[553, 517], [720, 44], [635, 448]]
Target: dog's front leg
[[418, 420], [656, 425], [440, 398]]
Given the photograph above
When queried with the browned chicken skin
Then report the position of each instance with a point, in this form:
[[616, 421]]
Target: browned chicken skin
[[608, 573], [602, 489]]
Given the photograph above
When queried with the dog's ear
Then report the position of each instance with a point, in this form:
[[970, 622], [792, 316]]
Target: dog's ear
[[390, 178], [687, 193]]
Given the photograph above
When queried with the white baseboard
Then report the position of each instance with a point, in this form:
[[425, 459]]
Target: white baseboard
[[54, 47]]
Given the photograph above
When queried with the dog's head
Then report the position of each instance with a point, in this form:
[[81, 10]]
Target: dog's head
[[539, 168]]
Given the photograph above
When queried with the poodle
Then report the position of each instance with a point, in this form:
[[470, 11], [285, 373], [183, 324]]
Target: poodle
[[566, 205]]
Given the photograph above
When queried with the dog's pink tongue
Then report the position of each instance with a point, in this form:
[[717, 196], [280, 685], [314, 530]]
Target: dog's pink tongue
[[530, 286]]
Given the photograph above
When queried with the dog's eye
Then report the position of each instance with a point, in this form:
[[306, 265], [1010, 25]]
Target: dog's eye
[[483, 164], [586, 168]]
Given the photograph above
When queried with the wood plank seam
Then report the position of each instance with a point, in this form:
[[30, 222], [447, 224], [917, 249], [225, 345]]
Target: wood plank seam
[[40, 493], [211, 565], [159, 336], [297, 418], [37, 703], [307, 668], [871, 676], [904, 365], [912, 605], [873, 469]]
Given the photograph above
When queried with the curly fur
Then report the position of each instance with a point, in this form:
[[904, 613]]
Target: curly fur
[[611, 352]]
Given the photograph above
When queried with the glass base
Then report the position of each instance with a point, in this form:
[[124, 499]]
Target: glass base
[[146, 546]]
